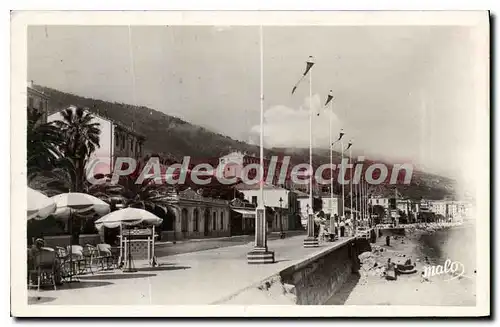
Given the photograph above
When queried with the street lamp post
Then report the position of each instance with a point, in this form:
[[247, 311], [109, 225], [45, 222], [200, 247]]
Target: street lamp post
[[282, 234]]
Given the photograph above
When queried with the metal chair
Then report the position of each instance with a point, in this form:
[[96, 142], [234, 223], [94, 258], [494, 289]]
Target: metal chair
[[44, 266], [105, 254], [89, 254]]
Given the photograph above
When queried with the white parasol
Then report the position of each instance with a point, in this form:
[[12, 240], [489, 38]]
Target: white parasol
[[40, 206], [79, 202], [127, 217]]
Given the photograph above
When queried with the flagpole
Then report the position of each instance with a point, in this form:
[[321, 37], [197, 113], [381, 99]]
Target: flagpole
[[342, 181], [350, 182], [261, 202], [310, 142], [360, 199], [311, 240], [362, 203], [366, 201], [260, 253], [332, 219]]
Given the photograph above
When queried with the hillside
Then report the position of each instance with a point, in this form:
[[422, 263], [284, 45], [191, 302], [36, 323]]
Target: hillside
[[177, 138]]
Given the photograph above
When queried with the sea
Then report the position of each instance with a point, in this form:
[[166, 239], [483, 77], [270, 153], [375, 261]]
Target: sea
[[457, 244]]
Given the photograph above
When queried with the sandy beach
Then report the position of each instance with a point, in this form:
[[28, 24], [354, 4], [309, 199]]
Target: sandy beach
[[370, 287]]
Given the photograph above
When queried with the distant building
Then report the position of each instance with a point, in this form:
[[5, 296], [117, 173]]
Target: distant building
[[289, 204], [450, 209], [236, 161], [405, 205], [115, 140], [37, 101], [379, 201], [304, 206], [331, 206], [242, 217], [192, 215]]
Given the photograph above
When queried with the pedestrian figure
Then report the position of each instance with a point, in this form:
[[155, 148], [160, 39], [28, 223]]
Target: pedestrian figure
[[388, 240]]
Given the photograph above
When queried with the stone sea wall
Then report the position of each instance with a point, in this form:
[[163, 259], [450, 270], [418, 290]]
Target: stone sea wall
[[310, 282], [314, 282]]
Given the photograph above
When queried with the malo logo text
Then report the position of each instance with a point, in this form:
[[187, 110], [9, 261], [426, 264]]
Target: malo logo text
[[454, 268]]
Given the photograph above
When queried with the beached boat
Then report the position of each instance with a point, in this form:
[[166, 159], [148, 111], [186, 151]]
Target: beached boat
[[406, 269]]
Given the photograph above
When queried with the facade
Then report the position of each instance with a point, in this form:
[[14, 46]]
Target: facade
[[331, 206], [451, 209], [116, 140], [38, 101], [242, 217], [380, 201], [234, 163], [404, 205], [194, 216], [304, 206], [284, 212], [440, 208], [127, 142]]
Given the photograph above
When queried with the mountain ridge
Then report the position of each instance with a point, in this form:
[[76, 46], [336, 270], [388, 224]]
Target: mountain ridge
[[171, 136]]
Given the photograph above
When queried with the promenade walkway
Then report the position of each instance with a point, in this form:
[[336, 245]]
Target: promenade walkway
[[203, 277]]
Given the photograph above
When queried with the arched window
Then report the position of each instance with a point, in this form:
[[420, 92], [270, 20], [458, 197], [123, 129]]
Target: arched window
[[184, 220], [222, 220], [195, 220], [214, 220]]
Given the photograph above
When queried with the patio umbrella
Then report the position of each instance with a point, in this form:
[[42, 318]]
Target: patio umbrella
[[69, 203], [40, 206], [79, 202], [128, 217]]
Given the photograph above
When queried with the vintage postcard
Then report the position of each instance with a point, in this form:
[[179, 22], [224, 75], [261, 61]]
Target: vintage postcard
[[185, 164]]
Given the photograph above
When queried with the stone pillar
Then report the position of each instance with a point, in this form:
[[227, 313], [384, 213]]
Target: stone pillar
[[260, 253], [311, 241]]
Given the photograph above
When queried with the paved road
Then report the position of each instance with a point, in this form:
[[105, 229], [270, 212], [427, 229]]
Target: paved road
[[168, 249]]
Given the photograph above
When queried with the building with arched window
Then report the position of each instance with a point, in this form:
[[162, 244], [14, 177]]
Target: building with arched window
[[196, 216]]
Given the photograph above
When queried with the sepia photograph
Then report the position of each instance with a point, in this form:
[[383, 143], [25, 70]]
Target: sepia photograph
[[250, 164]]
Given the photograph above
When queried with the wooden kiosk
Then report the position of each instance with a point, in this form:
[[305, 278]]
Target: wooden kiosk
[[137, 244]]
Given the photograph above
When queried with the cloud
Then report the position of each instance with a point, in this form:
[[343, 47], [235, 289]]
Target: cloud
[[288, 127]]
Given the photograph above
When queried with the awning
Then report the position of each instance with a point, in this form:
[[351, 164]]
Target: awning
[[246, 213]]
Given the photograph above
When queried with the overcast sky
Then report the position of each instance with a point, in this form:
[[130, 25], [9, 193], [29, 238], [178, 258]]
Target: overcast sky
[[402, 93]]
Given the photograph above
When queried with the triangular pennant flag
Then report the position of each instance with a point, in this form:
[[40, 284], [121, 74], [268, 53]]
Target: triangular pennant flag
[[309, 64], [341, 134], [329, 98]]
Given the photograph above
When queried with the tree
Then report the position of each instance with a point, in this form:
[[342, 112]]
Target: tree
[[43, 142], [81, 140]]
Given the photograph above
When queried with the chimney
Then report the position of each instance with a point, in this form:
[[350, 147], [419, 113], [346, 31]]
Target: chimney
[[30, 83]]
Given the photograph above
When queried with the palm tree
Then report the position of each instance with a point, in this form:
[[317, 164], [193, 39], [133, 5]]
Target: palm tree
[[81, 140], [43, 142], [146, 195]]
